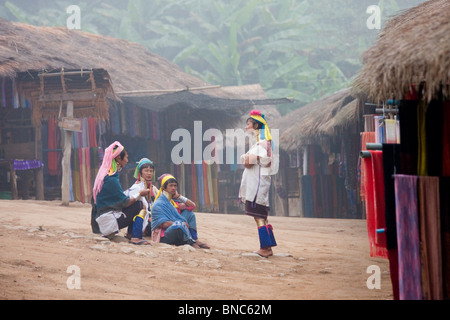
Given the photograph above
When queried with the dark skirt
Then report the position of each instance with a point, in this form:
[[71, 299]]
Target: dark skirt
[[256, 210]]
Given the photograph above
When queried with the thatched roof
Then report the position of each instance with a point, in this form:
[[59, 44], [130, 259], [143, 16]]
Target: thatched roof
[[319, 119], [25, 47], [413, 47], [138, 76]]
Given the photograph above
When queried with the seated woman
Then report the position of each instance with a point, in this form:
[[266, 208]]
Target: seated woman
[[172, 221], [144, 174], [115, 210]]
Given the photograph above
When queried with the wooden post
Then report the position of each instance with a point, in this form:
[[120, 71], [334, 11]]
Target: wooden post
[[39, 173], [65, 185], [15, 194]]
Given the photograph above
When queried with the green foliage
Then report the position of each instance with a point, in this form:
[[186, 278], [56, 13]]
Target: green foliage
[[298, 48]]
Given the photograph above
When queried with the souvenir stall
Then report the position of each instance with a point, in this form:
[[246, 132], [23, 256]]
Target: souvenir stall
[[213, 185], [405, 153], [318, 165]]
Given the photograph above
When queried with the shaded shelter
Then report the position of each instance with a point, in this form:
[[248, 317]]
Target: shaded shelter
[[319, 158], [409, 66], [124, 92]]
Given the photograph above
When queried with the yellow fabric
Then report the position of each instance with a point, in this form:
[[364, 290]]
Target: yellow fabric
[[116, 153], [164, 180], [422, 139], [141, 214], [266, 127]]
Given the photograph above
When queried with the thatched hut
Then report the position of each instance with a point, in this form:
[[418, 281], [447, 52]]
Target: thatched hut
[[412, 48], [119, 90], [319, 157], [410, 62]]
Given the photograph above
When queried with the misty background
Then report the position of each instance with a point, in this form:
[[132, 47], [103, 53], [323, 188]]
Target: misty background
[[305, 49]]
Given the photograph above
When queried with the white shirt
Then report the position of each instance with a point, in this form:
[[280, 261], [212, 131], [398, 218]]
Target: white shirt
[[256, 179]]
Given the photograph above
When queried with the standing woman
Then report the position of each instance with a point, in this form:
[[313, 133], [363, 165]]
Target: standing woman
[[115, 210], [255, 183]]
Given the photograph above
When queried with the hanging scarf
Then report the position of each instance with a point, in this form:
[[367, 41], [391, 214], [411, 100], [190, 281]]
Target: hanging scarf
[[108, 166]]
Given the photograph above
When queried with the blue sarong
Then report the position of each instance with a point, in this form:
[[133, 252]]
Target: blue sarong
[[163, 211]]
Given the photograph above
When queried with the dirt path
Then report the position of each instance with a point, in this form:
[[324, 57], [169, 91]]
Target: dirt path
[[315, 259]]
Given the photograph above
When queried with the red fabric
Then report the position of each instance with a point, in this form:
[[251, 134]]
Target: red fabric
[[82, 169], [205, 184], [92, 133], [393, 270], [378, 199], [194, 183], [373, 210], [52, 156], [366, 137]]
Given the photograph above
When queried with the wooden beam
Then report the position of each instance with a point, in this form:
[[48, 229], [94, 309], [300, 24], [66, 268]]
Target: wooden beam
[[65, 184], [15, 193], [74, 96]]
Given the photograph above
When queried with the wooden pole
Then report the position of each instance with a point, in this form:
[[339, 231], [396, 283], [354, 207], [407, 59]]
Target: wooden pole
[[65, 185], [39, 173]]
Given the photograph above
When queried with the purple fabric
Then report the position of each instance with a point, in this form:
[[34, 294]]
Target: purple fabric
[[27, 164], [407, 218]]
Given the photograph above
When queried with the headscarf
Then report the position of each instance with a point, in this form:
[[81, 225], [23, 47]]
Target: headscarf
[[108, 166], [265, 131], [163, 179], [141, 162]]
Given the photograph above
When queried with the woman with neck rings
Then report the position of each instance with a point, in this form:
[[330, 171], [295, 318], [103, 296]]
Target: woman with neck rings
[[144, 173], [115, 210], [173, 219], [256, 179]]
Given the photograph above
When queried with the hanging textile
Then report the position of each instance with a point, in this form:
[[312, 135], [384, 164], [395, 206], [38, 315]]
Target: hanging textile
[[379, 129], [369, 123], [194, 183], [408, 242], [422, 139], [215, 186], [379, 203], [446, 139], [82, 174], [366, 137], [430, 233], [76, 185], [205, 185], [92, 132], [377, 248], [88, 192], [444, 188], [391, 130], [201, 190], [52, 156]]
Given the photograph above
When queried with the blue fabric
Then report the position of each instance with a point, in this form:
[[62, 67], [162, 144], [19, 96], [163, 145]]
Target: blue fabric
[[178, 234], [163, 211], [111, 196], [266, 237], [138, 225]]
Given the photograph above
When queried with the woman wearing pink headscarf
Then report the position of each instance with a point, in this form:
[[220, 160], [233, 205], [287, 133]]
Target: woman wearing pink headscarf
[[113, 209]]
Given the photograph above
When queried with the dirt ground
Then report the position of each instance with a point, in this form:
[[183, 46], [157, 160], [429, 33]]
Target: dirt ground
[[48, 252]]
